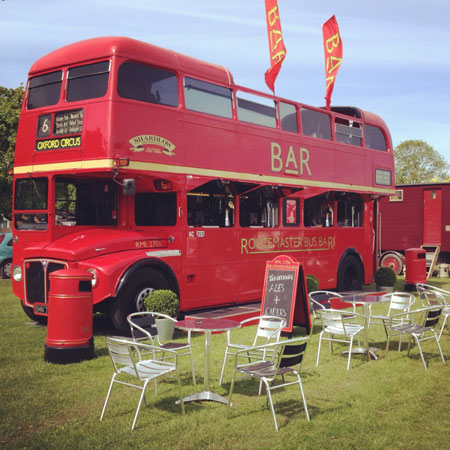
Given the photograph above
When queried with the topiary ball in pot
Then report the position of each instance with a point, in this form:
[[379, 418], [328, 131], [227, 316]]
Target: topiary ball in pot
[[165, 302], [312, 283], [385, 278]]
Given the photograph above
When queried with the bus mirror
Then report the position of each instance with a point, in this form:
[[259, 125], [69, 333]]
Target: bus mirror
[[129, 186]]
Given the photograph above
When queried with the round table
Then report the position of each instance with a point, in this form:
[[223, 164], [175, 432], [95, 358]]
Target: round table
[[206, 326], [366, 300]]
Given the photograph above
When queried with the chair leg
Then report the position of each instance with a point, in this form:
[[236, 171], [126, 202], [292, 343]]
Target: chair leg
[[180, 393], [139, 404], [350, 353], [269, 396], [439, 346], [107, 396], [303, 397], [192, 365], [231, 390], [318, 349], [421, 353], [443, 326], [223, 367]]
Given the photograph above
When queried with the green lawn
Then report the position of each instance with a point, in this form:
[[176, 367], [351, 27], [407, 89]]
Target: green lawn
[[389, 403]]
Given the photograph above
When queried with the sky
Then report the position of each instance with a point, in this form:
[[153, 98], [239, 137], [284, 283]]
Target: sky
[[396, 53]]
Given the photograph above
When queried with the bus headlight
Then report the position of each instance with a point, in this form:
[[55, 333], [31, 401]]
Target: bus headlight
[[94, 277], [17, 273]]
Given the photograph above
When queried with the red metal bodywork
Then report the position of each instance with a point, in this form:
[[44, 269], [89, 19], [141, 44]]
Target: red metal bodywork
[[210, 266]]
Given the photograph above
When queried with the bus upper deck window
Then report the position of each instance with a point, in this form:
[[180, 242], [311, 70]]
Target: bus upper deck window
[[147, 84], [316, 124], [288, 115], [374, 138], [44, 90], [89, 81]]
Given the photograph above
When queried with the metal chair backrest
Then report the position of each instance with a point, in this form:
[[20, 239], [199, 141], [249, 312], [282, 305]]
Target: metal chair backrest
[[292, 354], [121, 354], [332, 318], [269, 328], [432, 317], [322, 299], [400, 301], [431, 298], [143, 325]]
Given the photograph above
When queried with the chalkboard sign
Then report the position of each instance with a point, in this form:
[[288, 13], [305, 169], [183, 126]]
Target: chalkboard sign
[[284, 293]]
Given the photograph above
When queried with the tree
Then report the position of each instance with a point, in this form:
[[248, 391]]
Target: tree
[[418, 162], [10, 103]]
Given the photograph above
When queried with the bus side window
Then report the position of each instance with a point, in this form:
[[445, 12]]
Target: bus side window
[[155, 209], [258, 208], [288, 115], [349, 211], [211, 205], [316, 124], [374, 138]]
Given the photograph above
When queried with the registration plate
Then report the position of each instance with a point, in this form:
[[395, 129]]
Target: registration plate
[[41, 309]]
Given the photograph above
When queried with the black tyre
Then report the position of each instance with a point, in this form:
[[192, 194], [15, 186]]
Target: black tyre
[[30, 313], [5, 269], [394, 261], [350, 274], [131, 296]]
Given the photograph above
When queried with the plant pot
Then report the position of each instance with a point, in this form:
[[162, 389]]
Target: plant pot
[[166, 329], [385, 288]]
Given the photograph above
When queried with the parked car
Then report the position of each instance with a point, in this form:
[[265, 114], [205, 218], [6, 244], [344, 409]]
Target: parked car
[[5, 255]]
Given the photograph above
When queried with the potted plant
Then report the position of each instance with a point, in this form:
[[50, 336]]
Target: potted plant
[[312, 283], [166, 302], [385, 279]]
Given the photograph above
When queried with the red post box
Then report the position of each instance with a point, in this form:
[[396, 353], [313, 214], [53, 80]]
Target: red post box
[[69, 326], [416, 267]]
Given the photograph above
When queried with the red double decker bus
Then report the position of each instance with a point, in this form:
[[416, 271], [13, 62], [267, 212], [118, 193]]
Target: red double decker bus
[[154, 170]]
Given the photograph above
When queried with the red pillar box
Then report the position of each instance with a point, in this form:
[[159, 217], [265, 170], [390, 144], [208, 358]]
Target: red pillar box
[[416, 267], [69, 329]]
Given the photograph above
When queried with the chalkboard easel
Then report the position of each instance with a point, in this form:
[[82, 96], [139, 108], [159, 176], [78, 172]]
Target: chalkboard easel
[[284, 293]]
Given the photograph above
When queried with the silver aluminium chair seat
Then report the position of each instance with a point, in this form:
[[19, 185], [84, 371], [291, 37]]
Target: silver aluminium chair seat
[[126, 359], [336, 328], [287, 354], [268, 329], [419, 324]]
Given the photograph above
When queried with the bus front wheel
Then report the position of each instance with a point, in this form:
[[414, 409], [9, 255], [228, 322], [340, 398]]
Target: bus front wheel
[[131, 297], [350, 274]]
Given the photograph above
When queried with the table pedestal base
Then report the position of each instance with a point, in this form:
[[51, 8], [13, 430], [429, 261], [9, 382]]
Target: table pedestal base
[[205, 396], [363, 351]]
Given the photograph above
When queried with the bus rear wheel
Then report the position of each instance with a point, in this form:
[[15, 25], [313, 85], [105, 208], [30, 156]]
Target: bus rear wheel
[[350, 274], [131, 296]]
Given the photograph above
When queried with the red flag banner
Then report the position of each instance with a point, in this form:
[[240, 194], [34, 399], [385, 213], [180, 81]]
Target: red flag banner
[[277, 49], [332, 46]]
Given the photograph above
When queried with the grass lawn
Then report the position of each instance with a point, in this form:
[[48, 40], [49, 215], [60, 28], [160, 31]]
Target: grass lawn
[[391, 403]]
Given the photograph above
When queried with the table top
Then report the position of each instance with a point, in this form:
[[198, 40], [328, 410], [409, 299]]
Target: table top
[[364, 299], [207, 324]]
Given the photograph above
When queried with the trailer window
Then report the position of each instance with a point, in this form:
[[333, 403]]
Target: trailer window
[[85, 202], [89, 81], [147, 84], [155, 209], [44, 90], [208, 98]]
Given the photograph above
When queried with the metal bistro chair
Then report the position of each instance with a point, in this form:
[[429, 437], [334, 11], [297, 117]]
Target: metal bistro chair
[[269, 329], [287, 354], [433, 295], [125, 356], [143, 327], [322, 300], [419, 324], [398, 302], [335, 328]]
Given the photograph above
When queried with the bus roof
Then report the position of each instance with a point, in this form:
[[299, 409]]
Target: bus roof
[[105, 47]]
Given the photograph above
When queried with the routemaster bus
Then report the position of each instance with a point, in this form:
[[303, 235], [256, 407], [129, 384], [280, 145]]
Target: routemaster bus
[[152, 169]]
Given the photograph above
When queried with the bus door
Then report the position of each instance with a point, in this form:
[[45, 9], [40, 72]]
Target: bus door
[[210, 270]]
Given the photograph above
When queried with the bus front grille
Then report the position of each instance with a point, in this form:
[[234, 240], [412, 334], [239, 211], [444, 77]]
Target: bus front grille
[[37, 282]]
